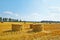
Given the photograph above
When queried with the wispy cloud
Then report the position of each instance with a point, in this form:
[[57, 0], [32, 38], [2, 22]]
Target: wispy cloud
[[8, 12], [11, 14], [54, 8], [54, 13], [32, 17]]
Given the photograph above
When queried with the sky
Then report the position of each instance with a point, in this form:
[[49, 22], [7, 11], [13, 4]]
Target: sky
[[31, 10]]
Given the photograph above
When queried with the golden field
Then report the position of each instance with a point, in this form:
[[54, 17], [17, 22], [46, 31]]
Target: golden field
[[45, 31]]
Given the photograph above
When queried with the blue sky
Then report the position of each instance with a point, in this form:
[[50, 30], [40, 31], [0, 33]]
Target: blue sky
[[30, 10]]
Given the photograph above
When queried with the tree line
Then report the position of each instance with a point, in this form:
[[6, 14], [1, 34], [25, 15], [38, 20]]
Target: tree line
[[50, 21], [8, 20]]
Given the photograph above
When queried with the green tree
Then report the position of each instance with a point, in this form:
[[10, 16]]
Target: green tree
[[16, 20], [0, 19], [5, 19], [10, 19], [20, 20]]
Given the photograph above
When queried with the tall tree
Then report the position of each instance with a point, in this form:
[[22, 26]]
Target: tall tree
[[16, 20], [5, 19], [10, 19], [20, 20], [0, 19]]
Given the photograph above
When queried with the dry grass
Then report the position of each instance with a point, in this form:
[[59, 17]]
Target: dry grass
[[53, 35], [30, 36]]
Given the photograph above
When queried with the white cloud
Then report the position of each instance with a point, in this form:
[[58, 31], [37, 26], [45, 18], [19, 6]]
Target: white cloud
[[54, 13], [11, 14], [33, 17], [8, 12], [54, 8], [38, 17], [16, 14]]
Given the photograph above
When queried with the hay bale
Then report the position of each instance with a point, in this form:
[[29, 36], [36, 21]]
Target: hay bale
[[16, 27], [36, 27]]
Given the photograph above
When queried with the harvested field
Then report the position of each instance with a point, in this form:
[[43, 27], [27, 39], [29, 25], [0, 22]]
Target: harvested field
[[29, 36], [41, 31]]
